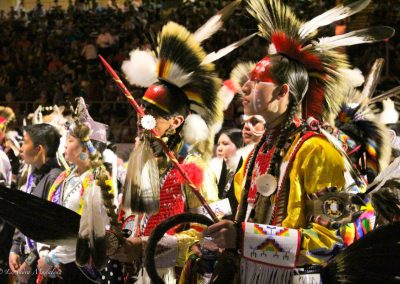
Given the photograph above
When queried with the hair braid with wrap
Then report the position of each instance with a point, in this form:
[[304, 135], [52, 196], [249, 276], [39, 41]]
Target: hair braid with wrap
[[283, 136], [82, 131]]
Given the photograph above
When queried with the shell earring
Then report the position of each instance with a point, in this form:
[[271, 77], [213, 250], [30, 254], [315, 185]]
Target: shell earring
[[83, 156]]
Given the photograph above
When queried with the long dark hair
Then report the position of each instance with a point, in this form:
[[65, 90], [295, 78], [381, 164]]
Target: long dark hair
[[283, 71], [295, 75], [82, 132]]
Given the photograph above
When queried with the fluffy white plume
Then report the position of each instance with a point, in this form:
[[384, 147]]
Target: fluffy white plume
[[140, 69], [195, 129], [332, 15], [353, 76], [226, 93], [389, 113], [217, 127], [271, 49]]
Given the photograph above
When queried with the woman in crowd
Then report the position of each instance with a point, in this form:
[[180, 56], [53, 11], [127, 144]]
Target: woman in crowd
[[226, 162], [82, 189], [229, 141]]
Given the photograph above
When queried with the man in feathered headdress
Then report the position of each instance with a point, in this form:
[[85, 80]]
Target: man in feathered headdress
[[298, 183], [180, 103]]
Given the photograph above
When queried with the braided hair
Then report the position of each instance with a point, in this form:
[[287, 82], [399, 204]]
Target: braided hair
[[282, 139], [82, 132], [284, 71], [295, 75]]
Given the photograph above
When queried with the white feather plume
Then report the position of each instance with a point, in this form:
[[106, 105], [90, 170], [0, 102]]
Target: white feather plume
[[368, 35], [217, 127], [272, 49], [389, 113], [209, 28], [140, 69], [215, 22], [213, 56], [177, 75], [195, 129], [335, 14], [353, 76], [372, 79], [226, 95]]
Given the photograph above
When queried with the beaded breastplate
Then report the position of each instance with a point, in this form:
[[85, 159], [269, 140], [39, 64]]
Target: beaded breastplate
[[172, 202]]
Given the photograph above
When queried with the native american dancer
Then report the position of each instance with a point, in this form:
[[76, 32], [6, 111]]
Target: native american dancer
[[77, 189], [365, 140], [298, 183], [70, 231], [180, 101], [369, 142]]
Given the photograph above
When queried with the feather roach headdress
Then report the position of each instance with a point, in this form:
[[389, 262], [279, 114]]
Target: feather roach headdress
[[365, 138], [179, 82], [179, 75], [297, 41]]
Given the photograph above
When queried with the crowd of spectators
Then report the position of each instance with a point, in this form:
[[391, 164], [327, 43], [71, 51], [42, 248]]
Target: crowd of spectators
[[50, 56]]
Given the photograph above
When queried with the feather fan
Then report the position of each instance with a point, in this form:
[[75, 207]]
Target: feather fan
[[371, 259], [39, 219]]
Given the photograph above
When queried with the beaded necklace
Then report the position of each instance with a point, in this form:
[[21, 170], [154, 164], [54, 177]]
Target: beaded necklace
[[57, 188]]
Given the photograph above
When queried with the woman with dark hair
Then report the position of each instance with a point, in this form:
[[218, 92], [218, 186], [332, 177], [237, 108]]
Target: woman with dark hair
[[226, 162], [84, 188], [297, 184], [229, 141]]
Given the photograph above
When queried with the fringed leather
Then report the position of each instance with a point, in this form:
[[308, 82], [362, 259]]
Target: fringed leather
[[254, 273]]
